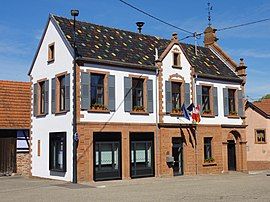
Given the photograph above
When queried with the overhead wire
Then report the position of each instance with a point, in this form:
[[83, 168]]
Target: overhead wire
[[156, 18]]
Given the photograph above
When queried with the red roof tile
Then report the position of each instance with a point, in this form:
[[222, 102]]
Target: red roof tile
[[15, 104], [263, 105]]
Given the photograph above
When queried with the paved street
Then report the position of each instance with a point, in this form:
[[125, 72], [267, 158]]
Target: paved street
[[226, 187]]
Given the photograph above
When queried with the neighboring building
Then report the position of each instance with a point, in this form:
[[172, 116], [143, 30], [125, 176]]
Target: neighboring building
[[130, 91], [258, 140], [15, 110]]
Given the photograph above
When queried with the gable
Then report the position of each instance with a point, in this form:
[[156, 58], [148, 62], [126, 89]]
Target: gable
[[51, 34]]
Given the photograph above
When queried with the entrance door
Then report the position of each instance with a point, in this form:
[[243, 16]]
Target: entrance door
[[231, 155], [107, 156], [177, 153], [7, 155]]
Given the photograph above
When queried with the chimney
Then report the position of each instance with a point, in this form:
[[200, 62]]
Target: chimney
[[209, 36], [174, 37], [140, 25], [241, 70]]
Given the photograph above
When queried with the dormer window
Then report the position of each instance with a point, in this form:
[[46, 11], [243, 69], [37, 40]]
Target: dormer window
[[51, 53]]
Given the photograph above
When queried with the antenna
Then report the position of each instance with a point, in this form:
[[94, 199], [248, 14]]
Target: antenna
[[210, 8]]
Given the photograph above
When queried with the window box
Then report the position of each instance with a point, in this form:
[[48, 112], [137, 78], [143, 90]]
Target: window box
[[138, 109], [176, 112], [209, 160], [209, 164]]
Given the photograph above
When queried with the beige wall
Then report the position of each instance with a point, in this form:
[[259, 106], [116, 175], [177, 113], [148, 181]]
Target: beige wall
[[257, 152]]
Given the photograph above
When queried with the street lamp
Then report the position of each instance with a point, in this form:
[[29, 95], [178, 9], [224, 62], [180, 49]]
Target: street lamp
[[74, 13]]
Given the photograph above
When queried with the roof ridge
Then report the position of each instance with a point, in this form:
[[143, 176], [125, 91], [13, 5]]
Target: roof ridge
[[133, 32]]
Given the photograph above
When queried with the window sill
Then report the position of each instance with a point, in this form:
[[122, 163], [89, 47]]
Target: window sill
[[60, 113], [105, 111], [41, 115], [176, 114], [176, 67], [233, 116], [210, 115], [139, 113], [209, 164], [260, 142], [58, 170], [50, 61]]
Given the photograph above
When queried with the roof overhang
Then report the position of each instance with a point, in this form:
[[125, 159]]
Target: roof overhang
[[82, 60], [238, 80]]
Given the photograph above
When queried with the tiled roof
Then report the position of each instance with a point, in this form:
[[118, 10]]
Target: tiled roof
[[15, 104], [263, 105], [104, 43]]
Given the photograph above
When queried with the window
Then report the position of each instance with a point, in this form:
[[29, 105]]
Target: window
[[42, 97], [137, 94], [62, 93], [231, 97], [57, 152], [51, 52], [97, 90], [260, 136], [107, 156], [207, 149], [142, 154], [176, 59], [206, 107], [176, 96]]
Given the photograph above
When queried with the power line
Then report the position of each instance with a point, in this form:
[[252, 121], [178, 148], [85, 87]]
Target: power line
[[244, 24], [158, 19]]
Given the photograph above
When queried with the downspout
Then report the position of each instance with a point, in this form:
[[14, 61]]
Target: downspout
[[157, 114], [196, 133]]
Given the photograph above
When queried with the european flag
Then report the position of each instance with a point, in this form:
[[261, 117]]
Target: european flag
[[185, 112]]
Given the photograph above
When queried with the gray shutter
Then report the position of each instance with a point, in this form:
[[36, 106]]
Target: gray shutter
[[187, 94], [240, 103], [215, 96], [226, 101], [85, 90], [111, 87], [168, 92], [127, 94], [150, 96], [46, 96], [53, 105], [35, 108], [67, 92], [199, 96]]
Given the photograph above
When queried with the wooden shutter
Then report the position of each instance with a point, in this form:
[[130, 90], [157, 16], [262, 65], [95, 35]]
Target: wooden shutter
[[67, 92], [111, 87], [226, 101], [46, 96], [35, 108], [85, 90], [150, 96], [199, 96], [53, 103], [187, 94], [240, 103], [127, 94], [215, 96], [168, 92]]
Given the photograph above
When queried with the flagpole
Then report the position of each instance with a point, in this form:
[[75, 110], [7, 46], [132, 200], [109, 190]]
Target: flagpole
[[196, 133]]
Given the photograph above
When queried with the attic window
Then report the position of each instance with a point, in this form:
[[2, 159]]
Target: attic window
[[176, 59], [51, 53]]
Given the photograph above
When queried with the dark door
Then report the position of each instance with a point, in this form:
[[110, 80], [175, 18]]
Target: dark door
[[7, 155], [231, 155], [107, 156], [177, 153]]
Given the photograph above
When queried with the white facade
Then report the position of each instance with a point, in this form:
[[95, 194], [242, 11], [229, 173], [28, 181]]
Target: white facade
[[120, 116], [42, 126]]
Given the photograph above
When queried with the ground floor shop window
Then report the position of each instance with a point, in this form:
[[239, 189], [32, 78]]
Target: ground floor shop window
[[107, 156], [57, 148], [142, 154]]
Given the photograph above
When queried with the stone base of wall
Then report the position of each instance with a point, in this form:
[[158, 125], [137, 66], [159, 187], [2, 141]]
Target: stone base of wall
[[258, 165], [23, 164]]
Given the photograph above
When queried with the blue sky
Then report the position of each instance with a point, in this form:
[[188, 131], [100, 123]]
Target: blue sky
[[22, 23]]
